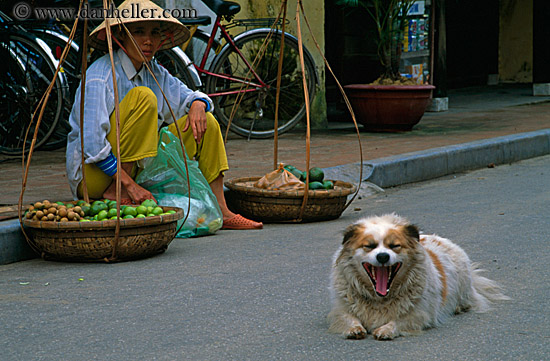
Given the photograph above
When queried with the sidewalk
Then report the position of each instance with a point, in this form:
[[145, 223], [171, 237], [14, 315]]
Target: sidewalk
[[474, 115], [479, 121]]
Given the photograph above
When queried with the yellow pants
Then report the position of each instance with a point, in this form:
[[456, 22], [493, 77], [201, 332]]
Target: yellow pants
[[139, 140]]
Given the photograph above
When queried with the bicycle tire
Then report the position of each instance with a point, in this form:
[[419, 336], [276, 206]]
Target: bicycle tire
[[29, 70], [71, 68], [176, 66], [197, 46], [255, 115]]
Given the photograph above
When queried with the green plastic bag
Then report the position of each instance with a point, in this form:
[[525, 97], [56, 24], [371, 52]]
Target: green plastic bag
[[165, 177]]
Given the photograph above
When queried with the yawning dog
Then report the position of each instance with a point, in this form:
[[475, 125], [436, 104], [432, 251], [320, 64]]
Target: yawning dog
[[389, 280]]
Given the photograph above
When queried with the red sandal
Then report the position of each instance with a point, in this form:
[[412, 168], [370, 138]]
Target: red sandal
[[239, 222]]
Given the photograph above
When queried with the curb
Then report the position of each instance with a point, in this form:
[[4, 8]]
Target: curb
[[437, 162], [13, 246], [383, 172]]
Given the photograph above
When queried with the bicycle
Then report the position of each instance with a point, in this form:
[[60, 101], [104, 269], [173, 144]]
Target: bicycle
[[54, 33], [228, 74], [28, 69]]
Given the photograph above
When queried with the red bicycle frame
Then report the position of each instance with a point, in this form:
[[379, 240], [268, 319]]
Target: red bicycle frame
[[200, 68]]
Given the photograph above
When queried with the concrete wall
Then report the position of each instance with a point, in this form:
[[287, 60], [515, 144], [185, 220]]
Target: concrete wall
[[516, 41], [314, 10]]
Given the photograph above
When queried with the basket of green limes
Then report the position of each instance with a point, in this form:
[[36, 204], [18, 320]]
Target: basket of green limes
[[81, 231], [326, 199]]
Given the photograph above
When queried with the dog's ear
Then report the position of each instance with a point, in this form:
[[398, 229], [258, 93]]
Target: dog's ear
[[349, 232], [412, 232]]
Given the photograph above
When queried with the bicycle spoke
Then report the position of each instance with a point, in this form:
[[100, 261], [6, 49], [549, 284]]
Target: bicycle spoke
[[256, 113], [27, 76]]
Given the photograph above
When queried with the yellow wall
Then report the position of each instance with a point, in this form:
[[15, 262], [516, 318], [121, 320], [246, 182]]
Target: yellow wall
[[516, 41]]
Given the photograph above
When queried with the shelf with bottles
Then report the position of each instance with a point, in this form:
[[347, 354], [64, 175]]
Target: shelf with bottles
[[416, 55]]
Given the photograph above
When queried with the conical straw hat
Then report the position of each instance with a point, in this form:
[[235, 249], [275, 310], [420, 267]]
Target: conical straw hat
[[174, 33]]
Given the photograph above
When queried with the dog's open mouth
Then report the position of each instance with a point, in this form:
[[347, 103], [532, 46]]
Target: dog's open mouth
[[381, 277]]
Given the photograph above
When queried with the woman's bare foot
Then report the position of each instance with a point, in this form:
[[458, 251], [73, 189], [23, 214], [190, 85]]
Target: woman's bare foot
[[110, 192]]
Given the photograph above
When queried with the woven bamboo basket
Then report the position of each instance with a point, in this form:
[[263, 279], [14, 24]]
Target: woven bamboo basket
[[95, 240], [284, 206]]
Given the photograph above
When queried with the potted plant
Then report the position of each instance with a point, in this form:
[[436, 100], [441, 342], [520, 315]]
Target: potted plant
[[391, 102]]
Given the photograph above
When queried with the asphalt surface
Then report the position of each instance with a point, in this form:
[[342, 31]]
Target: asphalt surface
[[262, 295]]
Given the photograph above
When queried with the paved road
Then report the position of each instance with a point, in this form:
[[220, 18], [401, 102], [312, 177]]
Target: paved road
[[262, 295]]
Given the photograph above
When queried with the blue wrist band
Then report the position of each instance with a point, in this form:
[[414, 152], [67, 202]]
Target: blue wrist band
[[108, 165], [205, 102]]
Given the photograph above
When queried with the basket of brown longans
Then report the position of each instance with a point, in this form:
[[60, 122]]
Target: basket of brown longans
[[82, 231], [278, 196]]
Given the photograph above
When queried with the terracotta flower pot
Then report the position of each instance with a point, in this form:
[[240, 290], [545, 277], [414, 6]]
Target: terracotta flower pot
[[389, 107]]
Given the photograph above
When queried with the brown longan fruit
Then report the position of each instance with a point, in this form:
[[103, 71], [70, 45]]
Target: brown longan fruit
[[62, 212]]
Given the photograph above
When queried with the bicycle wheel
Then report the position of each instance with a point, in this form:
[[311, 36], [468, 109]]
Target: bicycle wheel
[[197, 47], [28, 71], [255, 115], [171, 61], [71, 69]]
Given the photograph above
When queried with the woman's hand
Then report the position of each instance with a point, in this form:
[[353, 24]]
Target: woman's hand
[[196, 119], [136, 192]]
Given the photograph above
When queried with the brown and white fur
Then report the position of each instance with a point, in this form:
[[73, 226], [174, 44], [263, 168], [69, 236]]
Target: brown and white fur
[[390, 281]]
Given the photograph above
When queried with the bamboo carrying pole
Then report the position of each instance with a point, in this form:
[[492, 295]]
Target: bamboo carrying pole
[[278, 92], [346, 100], [300, 9], [41, 107]]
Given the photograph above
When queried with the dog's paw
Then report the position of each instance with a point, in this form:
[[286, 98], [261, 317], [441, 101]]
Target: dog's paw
[[386, 332], [356, 333]]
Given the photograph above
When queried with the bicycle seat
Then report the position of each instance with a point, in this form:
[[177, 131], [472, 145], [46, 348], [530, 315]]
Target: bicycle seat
[[222, 7], [199, 20]]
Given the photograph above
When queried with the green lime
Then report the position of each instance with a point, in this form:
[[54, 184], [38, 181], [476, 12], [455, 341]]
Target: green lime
[[111, 213], [150, 215], [112, 204], [316, 174], [60, 203], [128, 216], [296, 172], [69, 205], [112, 218], [157, 211], [316, 185], [150, 209], [85, 209], [141, 210], [130, 211], [149, 203], [171, 211], [102, 215], [140, 215], [80, 202], [328, 184], [97, 207]]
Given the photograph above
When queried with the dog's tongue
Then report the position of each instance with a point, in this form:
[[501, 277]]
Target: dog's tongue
[[382, 280]]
